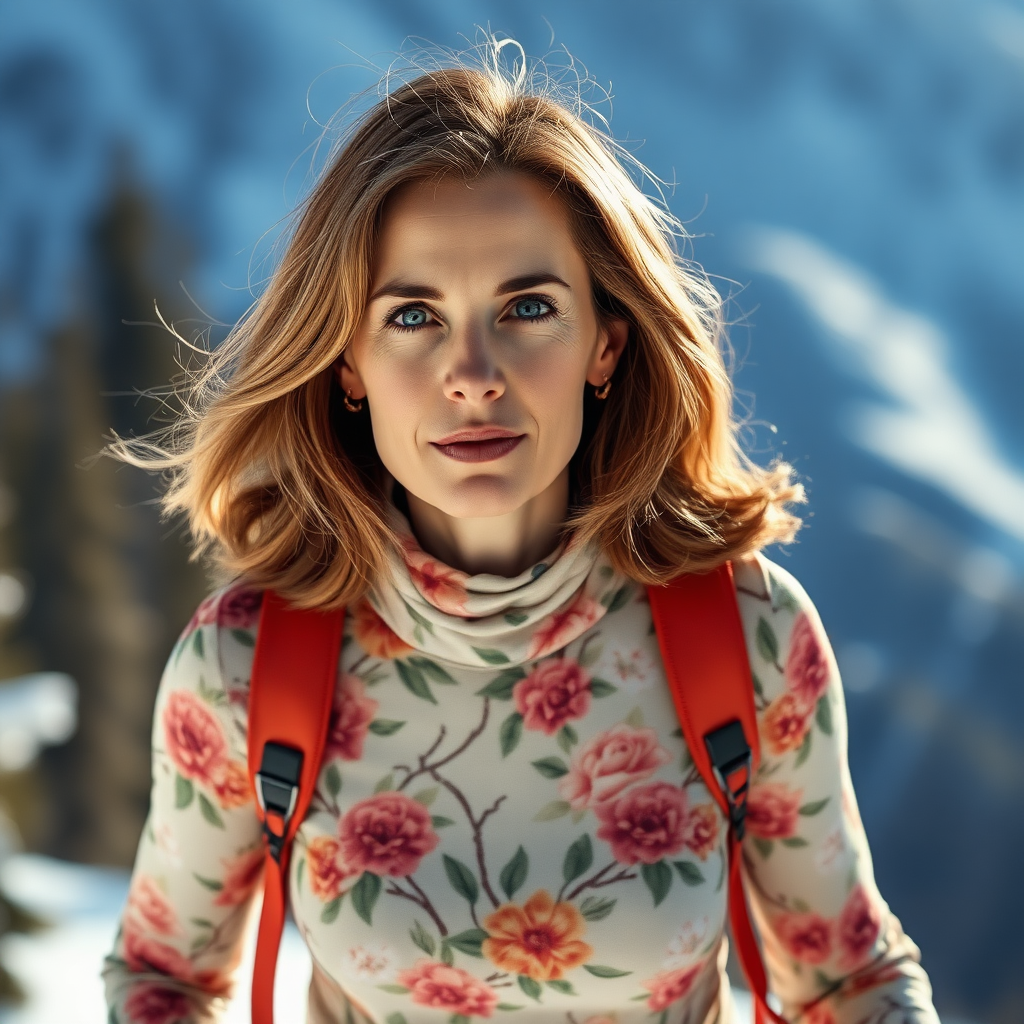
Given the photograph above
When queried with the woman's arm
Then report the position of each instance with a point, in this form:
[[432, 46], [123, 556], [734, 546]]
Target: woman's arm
[[834, 951], [200, 856]]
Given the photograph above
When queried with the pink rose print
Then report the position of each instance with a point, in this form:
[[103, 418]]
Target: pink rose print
[[350, 720], [327, 873], [560, 627], [806, 667], [701, 830], [555, 692], [231, 784], [195, 742], [807, 937], [144, 953], [448, 988], [148, 904], [859, 924], [243, 872], [155, 1004], [605, 765], [786, 722], [240, 608], [443, 586], [668, 986], [772, 810], [386, 834], [645, 824]]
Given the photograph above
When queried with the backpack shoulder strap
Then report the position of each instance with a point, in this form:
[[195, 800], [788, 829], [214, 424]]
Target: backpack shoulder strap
[[291, 693], [700, 634]]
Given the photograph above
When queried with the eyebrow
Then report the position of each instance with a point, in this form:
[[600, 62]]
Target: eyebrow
[[403, 290]]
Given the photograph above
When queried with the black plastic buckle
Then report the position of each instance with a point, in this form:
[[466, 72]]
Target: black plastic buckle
[[277, 790], [732, 762]]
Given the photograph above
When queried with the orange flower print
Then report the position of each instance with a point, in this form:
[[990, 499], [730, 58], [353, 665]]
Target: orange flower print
[[540, 939], [147, 903], [375, 636], [786, 722], [443, 586], [231, 784], [560, 627], [669, 986], [701, 830], [243, 872], [448, 988], [326, 869]]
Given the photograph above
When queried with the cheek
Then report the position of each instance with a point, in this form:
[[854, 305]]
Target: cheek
[[396, 398]]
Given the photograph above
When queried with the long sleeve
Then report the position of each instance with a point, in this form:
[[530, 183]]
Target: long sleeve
[[200, 856], [835, 952]]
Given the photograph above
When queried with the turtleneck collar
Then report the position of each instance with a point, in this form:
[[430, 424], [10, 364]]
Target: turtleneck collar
[[486, 620]]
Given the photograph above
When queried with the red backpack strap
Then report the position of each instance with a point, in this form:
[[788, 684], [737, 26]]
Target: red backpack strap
[[705, 657], [291, 693]]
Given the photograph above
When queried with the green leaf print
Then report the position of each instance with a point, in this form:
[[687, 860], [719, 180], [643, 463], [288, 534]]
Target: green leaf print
[[331, 910], [458, 1018], [602, 688], [245, 638], [605, 972], [417, 618], [635, 718], [597, 908], [422, 938], [197, 643], [491, 655], [427, 796], [385, 726], [515, 618], [551, 767], [396, 1018], [500, 687], [555, 809], [814, 807], [332, 779], [513, 874], [805, 750], [461, 878], [758, 688], [794, 842], [509, 1006], [210, 812], [414, 681], [447, 956], [567, 736], [529, 986], [364, 895], [210, 883], [618, 599], [658, 878], [385, 784], [395, 990], [823, 716], [767, 642], [764, 847], [689, 873], [468, 942], [578, 858], [300, 872], [510, 732], [561, 985], [440, 821], [432, 669], [183, 792]]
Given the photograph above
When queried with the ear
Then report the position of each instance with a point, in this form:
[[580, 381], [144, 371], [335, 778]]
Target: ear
[[611, 341], [348, 377]]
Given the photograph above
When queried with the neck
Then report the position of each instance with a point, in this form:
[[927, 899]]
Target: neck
[[503, 545]]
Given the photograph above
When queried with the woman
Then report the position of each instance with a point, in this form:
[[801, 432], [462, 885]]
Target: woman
[[481, 404]]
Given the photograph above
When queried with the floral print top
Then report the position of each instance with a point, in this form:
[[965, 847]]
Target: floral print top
[[508, 824]]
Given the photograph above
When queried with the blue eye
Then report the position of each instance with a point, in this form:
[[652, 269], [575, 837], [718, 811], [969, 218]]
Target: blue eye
[[531, 309], [414, 317]]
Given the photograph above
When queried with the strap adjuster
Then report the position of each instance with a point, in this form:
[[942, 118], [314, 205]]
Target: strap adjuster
[[277, 790], [732, 763]]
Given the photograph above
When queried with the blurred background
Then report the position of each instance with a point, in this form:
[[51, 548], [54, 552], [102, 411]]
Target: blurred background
[[853, 176]]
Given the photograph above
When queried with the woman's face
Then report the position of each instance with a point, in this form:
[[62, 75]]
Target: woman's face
[[477, 341]]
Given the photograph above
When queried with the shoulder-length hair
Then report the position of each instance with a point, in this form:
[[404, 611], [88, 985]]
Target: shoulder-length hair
[[287, 492]]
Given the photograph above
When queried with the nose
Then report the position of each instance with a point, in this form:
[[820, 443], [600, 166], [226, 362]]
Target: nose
[[473, 374]]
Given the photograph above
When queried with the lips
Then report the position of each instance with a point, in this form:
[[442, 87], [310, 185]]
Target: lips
[[478, 445]]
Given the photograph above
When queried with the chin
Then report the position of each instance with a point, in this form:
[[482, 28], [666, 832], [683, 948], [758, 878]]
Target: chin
[[481, 498]]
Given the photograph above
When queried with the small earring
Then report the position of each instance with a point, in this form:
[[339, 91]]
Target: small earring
[[602, 392], [350, 405]]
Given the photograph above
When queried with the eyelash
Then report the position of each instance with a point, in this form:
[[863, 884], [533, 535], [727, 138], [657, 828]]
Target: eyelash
[[389, 319]]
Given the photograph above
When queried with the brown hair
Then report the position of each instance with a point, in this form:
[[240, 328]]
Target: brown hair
[[287, 493]]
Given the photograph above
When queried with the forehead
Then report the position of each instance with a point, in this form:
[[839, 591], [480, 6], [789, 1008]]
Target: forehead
[[495, 223]]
